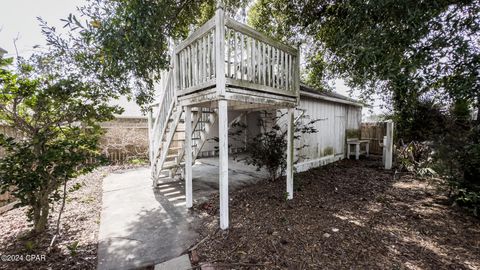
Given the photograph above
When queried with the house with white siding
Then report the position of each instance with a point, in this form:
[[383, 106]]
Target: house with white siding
[[336, 114], [226, 72]]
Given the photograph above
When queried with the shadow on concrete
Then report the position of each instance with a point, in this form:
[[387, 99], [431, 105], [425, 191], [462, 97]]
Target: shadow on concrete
[[141, 226]]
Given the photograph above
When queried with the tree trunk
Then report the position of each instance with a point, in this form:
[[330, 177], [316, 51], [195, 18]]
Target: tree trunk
[[41, 217]]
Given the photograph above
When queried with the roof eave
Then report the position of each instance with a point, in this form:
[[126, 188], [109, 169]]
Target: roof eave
[[331, 99]]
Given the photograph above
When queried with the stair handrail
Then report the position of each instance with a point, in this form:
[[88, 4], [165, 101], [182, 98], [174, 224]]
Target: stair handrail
[[165, 107]]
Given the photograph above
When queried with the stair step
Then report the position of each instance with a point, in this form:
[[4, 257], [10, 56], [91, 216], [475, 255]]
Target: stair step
[[169, 157], [171, 164], [183, 139], [181, 120], [177, 130]]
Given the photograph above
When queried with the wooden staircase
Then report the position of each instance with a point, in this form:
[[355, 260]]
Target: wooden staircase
[[167, 133]]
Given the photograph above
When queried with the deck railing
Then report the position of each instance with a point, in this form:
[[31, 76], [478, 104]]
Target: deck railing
[[251, 60], [158, 121]]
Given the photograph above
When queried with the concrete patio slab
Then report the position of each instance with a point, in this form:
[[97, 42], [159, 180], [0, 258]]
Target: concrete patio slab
[[178, 263], [141, 227]]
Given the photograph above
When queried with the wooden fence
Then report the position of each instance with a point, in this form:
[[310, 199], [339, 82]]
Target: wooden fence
[[374, 132], [124, 139]]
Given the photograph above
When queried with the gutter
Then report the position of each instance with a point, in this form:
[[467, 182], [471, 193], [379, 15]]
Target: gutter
[[331, 99]]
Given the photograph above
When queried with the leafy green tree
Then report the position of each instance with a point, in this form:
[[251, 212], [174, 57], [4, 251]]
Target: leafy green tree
[[126, 44], [402, 50], [56, 114], [422, 57]]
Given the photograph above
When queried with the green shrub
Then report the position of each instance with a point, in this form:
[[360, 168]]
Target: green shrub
[[468, 199], [268, 149], [138, 161], [57, 116]]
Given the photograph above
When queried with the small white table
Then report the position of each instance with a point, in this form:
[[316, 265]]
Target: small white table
[[358, 144]]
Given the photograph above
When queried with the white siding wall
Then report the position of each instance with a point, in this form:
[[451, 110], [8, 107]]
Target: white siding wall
[[335, 118], [354, 117], [253, 128]]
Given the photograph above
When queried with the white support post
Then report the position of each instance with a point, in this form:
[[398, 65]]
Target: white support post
[[357, 151], [150, 136], [290, 154], [188, 156], [223, 162], [384, 149], [389, 146], [220, 49]]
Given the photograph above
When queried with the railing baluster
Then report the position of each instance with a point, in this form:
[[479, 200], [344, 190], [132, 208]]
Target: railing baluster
[[247, 58], [187, 67], [204, 59], [288, 72], [279, 66], [260, 62], [280, 63], [181, 77], [187, 70], [213, 53], [227, 38], [269, 49], [284, 69], [264, 64], [194, 66], [275, 67], [198, 58], [200, 61], [197, 64], [235, 37], [252, 60], [255, 61], [209, 56], [256, 76], [185, 63], [191, 65], [291, 72], [242, 45]]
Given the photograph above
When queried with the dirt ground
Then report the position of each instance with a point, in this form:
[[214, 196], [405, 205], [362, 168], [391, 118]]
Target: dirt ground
[[351, 214], [77, 243]]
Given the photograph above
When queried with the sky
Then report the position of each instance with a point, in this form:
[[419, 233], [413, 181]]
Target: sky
[[18, 20]]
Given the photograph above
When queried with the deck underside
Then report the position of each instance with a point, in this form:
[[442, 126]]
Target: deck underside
[[238, 99]]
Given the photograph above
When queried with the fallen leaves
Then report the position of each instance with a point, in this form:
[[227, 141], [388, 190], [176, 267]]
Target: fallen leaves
[[350, 214]]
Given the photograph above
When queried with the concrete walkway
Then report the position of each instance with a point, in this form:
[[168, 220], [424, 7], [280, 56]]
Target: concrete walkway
[[140, 227]]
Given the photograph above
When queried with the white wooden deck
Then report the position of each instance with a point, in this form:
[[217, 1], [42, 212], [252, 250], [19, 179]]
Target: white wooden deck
[[225, 59], [224, 65]]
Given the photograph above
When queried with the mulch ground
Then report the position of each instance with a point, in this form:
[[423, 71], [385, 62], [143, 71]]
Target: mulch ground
[[351, 214], [76, 246]]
